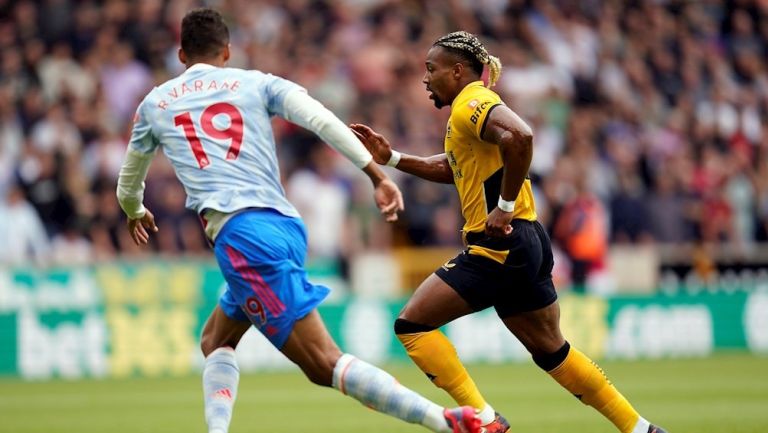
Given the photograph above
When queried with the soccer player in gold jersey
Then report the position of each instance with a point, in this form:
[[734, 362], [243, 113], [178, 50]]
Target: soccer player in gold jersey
[[507, 262]]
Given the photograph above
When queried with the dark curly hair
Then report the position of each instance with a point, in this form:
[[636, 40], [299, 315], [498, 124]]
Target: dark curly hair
[[203, 33]]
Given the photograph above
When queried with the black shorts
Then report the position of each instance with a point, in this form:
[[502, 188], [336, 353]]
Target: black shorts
[[512, 274]]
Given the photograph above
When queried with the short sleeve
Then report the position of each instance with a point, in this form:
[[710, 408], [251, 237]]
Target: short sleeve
[[142, 139], [473, 114], [275, 89]]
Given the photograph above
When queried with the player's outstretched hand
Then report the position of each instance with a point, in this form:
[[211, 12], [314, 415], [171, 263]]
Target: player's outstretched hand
[[379, 146], [138, 228], [389, 199]]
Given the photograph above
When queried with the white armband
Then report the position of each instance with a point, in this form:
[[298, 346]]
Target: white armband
[[130, 183], [506, 206], [309, 113]]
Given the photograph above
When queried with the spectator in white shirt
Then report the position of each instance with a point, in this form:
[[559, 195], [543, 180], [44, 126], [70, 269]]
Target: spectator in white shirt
[[25, 241]]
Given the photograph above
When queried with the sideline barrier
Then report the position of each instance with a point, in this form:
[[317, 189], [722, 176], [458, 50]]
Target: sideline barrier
[[122, 320]]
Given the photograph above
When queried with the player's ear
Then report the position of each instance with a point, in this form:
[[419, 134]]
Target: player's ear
[[458, 69], [225, 54], [182, 56]]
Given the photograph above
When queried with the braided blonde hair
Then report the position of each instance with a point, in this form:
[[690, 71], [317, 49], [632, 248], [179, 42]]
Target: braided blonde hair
[[469, 45]]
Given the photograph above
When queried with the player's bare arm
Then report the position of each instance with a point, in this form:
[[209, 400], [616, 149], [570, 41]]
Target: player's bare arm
[[387, 195], [515, 140], [434, 168]]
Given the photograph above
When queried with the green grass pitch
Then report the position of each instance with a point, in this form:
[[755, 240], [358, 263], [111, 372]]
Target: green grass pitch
[[727, 393]]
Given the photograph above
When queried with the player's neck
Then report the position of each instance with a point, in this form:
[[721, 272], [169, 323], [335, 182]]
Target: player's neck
[[213, 62], [462, 84], [466, 81]]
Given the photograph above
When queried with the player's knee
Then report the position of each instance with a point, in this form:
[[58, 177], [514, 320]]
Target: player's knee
[[206, 345], [403, 326], [209, 343]]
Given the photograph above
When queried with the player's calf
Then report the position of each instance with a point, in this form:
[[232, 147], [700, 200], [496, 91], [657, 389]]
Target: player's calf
[[380, 391], [220, 378], [584, 379]]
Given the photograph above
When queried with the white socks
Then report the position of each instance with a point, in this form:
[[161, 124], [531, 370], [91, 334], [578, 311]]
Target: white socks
[[487, 415], [641, 426], [380, 391], [220, 378]]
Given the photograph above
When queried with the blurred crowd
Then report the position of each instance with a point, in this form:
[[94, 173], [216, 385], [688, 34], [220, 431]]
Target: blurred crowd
[[648, 117]]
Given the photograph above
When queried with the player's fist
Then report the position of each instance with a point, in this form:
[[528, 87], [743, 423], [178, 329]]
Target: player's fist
[[499, 223]]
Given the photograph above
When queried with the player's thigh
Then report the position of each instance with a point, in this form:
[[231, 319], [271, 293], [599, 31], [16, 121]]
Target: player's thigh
[[221, 331], [524, 280], [435, 303], [532, 314], [311, 347], [537, 330]]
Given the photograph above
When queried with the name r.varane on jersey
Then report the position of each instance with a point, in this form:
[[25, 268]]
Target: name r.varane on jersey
[[198, 86]]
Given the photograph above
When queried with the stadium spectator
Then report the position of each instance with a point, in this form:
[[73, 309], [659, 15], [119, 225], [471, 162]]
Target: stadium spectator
[[24, 236], [321, 196], [70, 248], [582, 229]]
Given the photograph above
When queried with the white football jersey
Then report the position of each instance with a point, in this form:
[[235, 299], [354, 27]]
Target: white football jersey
[[214, 126]]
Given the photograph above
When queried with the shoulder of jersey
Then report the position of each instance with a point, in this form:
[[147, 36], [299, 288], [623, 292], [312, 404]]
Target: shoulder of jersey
[[152, 94], [470, 100], [477, 95]]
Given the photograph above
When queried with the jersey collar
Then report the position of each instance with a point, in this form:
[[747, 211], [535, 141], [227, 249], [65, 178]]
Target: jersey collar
[[468, 86], [199, 67]]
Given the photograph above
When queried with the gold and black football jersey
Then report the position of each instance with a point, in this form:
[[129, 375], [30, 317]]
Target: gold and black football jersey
[[476, 164]]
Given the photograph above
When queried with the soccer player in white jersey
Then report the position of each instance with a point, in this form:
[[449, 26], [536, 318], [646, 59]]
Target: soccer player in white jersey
[[213, 124]]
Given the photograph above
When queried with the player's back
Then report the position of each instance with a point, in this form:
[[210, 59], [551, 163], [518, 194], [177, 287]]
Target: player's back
[[214, 126]]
